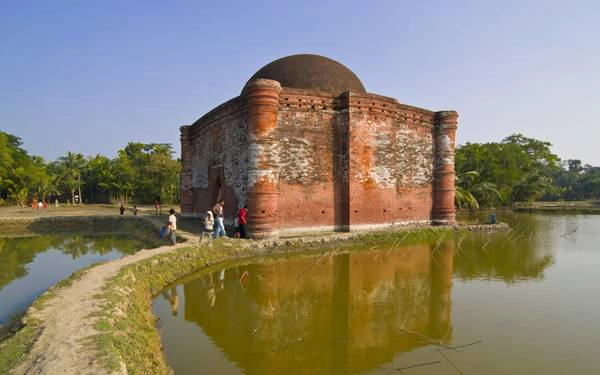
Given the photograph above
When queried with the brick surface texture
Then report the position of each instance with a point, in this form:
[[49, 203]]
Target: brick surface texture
[[304, 160]]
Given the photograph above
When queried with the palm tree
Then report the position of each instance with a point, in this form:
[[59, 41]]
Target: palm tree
[[73, 163], [466, 192], [47, 184], [124, 188]]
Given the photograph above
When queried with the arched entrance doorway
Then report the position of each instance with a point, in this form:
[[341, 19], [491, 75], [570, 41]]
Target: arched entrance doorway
[[216, 183]]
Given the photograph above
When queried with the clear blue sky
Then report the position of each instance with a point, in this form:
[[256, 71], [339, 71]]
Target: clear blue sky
[[89, 76]]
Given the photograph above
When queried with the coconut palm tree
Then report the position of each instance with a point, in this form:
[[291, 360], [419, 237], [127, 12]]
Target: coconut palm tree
[[467, 191], [72, 164], [47, 184]]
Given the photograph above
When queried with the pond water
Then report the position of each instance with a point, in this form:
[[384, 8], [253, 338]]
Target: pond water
[[524, 302], [31, 265]]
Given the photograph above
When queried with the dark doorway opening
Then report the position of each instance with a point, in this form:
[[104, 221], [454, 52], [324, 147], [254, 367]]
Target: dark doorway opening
[[215, 180]]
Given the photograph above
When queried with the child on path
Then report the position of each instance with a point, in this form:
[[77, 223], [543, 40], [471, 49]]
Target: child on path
[[209, 223], [219, 219], [172, 226], [156, 205], [236, 227]]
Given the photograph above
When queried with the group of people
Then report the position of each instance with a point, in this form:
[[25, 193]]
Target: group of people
[[38, 205], [214, 222], [42, 204], [122, 210]]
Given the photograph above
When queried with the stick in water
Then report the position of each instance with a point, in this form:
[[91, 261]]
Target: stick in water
[[419, 365]]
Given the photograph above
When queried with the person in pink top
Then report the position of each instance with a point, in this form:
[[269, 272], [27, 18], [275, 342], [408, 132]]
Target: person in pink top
[[242, 221]]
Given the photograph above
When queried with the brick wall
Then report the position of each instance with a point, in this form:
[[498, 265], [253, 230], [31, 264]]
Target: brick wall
[[334, 162], [353, 160], [216, 155]]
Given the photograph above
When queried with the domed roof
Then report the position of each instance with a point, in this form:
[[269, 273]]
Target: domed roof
[[311, 72]]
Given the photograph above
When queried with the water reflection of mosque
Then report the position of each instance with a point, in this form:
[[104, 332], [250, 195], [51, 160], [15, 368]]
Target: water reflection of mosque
[[334, 314], [346, 313]]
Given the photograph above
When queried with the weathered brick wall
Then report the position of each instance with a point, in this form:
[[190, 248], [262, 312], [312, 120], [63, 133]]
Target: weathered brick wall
[[306, 135], [353, 160], [217, 149], [391, 161], [309, 160]]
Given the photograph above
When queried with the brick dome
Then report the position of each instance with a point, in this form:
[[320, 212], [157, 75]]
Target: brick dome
[[311, 72]]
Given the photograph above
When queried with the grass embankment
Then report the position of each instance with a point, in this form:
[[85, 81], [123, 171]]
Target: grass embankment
[[18, 337], [64, 225], [128, 337], [583, 207], [14, 349]]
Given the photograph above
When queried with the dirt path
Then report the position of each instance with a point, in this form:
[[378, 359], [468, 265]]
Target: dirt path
[[68, 326], [63, 346]]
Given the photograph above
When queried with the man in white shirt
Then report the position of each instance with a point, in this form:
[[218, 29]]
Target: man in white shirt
[[172, 226]]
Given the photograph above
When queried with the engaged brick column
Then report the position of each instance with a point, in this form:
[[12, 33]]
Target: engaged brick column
[[262, 193], [185, 180], [443, 211]]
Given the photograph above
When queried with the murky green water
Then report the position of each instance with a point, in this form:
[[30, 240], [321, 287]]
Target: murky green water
[[31, 265], [527, 302]]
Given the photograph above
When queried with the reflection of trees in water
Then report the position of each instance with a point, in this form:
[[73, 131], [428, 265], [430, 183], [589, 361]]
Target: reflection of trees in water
[[517, 255], [16, 253]]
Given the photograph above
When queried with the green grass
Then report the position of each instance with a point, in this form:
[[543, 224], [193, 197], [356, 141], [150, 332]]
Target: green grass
[[14, 348]]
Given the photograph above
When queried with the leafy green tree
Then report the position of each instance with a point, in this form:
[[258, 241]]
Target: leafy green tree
[[19, 172], [538, 151], [517, 169], [587, 185], [98, 178], [533, 187], [140, 171]]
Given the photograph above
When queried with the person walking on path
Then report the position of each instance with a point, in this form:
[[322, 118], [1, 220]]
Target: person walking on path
[[122, 209], [242, 221], [135, 210], [157, 205], [172, 226], [209, 223], [219, 220]]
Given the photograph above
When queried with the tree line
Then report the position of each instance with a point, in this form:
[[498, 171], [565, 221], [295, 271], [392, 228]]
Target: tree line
[[520, 169], [517, 169], [140, 173]]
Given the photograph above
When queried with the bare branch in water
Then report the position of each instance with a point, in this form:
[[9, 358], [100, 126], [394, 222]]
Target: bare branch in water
[[465, 345], [450, 362], [419, 365], [485, 244], [567, 233], [429, 339]]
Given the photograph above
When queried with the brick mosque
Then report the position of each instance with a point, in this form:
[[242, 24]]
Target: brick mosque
[[307, 148]]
